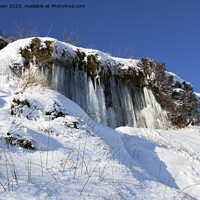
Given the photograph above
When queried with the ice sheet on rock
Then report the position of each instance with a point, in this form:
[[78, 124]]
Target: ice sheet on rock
[[127, 105]]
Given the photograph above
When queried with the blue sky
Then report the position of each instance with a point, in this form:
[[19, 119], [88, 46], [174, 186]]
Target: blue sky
[[164, 30]]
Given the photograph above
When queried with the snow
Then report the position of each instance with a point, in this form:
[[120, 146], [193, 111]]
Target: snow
[[175, 78], [177, 150], [9, 54], [197, 94], [90, 160], [178, 90], [77, 158]]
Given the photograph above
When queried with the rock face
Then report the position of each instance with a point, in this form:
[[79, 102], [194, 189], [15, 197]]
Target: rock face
[[3, 43], [173, 94], [113, 91]]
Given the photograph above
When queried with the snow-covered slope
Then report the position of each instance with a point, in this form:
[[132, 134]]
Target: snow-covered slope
[[70, 156]]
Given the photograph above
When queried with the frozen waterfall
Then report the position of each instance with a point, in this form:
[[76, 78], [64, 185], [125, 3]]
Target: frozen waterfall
[[109, 102]]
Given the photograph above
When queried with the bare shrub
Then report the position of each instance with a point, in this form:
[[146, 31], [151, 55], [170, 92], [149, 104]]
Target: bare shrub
[[29, 31], [71, 38], [3, 35]]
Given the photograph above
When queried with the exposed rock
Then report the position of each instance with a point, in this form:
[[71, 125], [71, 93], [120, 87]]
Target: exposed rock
[[18, 136], [38, 53], [57, 111], [19, 141], [70, 124], [17, 106], [24, 108], [177, 98], [3, 43]]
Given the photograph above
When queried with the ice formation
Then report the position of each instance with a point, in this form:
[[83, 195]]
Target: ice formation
[[128, 105]]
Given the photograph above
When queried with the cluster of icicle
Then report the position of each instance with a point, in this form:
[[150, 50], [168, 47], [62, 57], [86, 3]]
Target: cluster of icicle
[[130, 106]]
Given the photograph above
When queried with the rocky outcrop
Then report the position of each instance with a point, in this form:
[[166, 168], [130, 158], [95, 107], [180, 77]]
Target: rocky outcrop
[[173, 94], [3, 43], [113, 91]]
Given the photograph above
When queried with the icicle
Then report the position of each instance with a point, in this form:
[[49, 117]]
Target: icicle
[[153, 116], [128, 105]]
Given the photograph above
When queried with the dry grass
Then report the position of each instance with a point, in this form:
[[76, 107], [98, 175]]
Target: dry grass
[[32, 78], [79, 165], [71, 37], [22, 32]]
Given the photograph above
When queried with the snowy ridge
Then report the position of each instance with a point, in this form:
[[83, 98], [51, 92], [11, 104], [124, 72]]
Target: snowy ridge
[[11, 53], [176, 78], [104, 58]]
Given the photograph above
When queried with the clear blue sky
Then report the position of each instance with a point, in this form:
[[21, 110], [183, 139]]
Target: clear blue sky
[[164, 30]]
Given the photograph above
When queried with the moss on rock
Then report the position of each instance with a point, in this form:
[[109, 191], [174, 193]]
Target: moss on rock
[[92, 65], [37, 52]]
